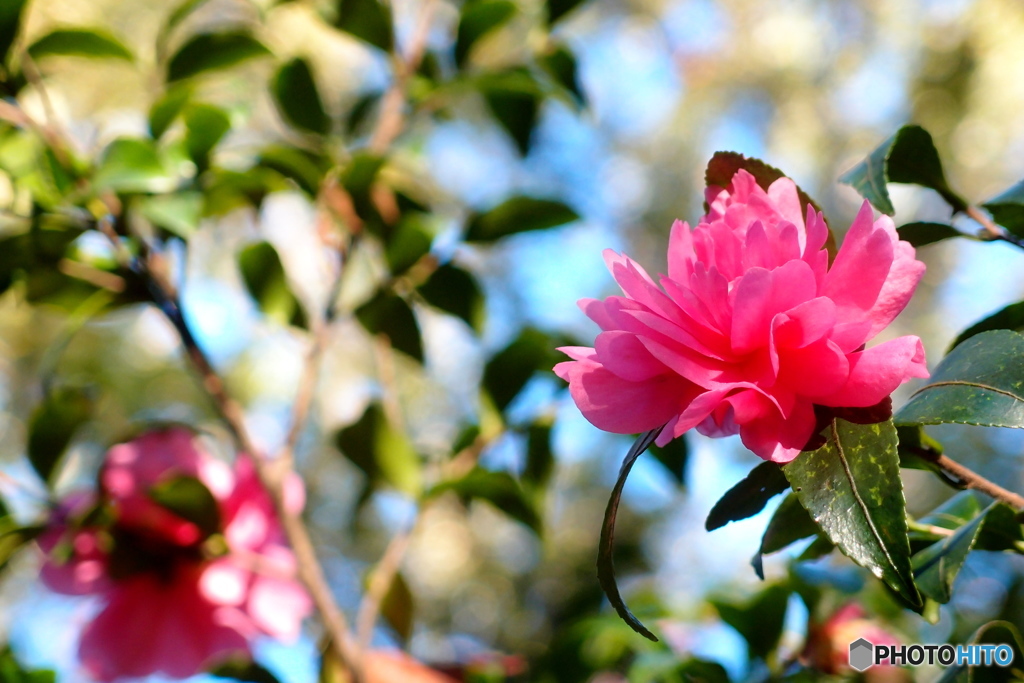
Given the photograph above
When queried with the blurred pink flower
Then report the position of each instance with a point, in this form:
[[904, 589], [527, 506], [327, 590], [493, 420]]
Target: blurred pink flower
[[175, 599], [751, 329], [828, 644]]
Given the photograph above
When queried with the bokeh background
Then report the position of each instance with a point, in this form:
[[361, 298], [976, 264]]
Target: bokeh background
[[810, 87]]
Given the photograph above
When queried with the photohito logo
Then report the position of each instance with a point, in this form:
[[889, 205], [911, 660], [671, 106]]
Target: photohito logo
[[864, 654]]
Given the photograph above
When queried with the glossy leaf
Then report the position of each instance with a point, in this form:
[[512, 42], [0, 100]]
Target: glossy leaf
[[298, 99], [10, 23], [210, 51], [606, 549], [508, 371], [1007, 209], [52, 426], [368, 20], [166, 109], [381, 451], [789, 524], [1009, 318], [759, 620], [455, 291], [559, 8], [921, 234], [478, 18], [907, 157], [936, 567], [205, 125], [515, 215], [390, 315], [749, 496], [851, 487], [132, 165], [265, 278], [188, 498], [79, 42], [499, 489], [980, 382]]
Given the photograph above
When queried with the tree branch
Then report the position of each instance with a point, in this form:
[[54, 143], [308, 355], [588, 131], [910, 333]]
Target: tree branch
[[973, 480]]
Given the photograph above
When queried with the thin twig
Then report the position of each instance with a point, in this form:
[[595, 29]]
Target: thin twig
[[380, 582], [973, 480], [993, 230]]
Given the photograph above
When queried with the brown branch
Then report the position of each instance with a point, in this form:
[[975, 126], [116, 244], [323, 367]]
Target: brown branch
[[973, 480], [380, 582], [994, 231]]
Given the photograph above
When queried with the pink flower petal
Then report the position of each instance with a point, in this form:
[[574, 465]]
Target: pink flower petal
[[876, 372]]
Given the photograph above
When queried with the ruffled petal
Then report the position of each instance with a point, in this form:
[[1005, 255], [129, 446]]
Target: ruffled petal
[[876, 372], [780, 440]]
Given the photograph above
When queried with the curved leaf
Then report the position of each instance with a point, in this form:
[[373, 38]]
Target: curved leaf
[[455, 291], [381, 450], [759, 620], [10, 24], [936, 567], [749, 496], [368, 20], [390, 315], [789, 524], [205, 125], [210, 51], [52, 425], [297, 98], [851, 487], [920, 234], [980, 382], [499, 489], [518, 214], [132, 165], [909, 156], [1009, 318], [80, 42], [265, 278]]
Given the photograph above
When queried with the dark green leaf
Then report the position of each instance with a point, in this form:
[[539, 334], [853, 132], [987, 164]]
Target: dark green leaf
[[390, 315], [205, 125], [306, 169], [954, 513], [703, 671], [499, 489], [749, 496], [514, 98], [360, 112], [298, 99], [909, 156], [606, 548], [540, 461], [166, 109], [851, 487], [52, 426], [789, 524], [560, 63], [410, 241], [80, 42], [980, 382], [210, 51], [515, 215], [1009, 318], [759, 620], [918, 451], [381, 451], [455, 291], [265, 278], [511, 368], [1007, 209], [188, 498], [479, 18], [398, 607], [368, 20], [10, 24], [1001, 530], [559, 8], [920, 234], [132, 165], [358, 179], [674, 455], [244, 670], [936, 567]]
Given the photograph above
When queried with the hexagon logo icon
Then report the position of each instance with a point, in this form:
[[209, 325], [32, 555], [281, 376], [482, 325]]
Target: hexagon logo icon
[[862, 654]]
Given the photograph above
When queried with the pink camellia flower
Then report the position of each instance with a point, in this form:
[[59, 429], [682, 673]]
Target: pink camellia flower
[[828, 644], [752, 328], [176, 598]]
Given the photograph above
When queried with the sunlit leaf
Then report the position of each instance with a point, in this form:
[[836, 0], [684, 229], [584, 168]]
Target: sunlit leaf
[[132, 165], [298, 99], [178, 213], [381, 450], [210, 51], [80, 42], [749, 496], [560, 63], [166, 109], [409, 242], [499, 489], [265, 278], [851, 487], [368, 20], [205, 125], [306, 169], [477, 19]]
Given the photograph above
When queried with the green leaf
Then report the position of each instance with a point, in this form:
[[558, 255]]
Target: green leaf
[[918, 450], [52, 426], [390, 315], [606, 547], [210, 51], [398, 607], [410, 241], [455, 291], [188, 498], [749, 496], [297, 98], [1001, 530], [179, 213], [478, 18], [920, 234], [559, 8], [381, 451], [166, 109], [1009, 318], [515, 215], [909, 156], [10, 24], [1007, 209], [180, 13], [954, 513], [244, 670], [990, 674], [851, 487], [508, 371], [560, 64], [205, 125], [540, 461], [936, 567], [132, 165], [265, 278], [789, 524], [499, 489], [305, 168], [513, 97], [368, 20], [80, 42], [11, 671], [759, 620], [674, 455], [980, 382]]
